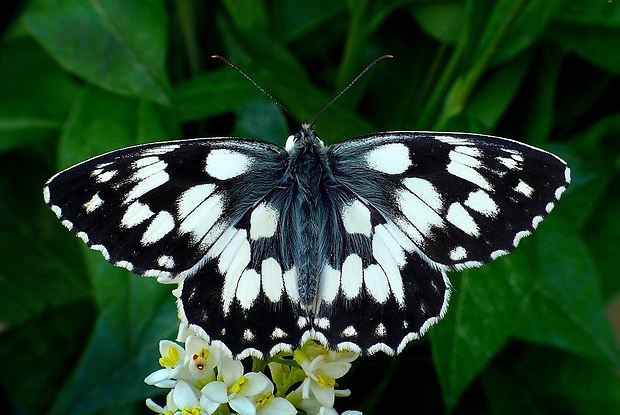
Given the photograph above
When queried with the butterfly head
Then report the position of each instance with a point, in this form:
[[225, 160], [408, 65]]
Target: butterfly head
[[305, 137]]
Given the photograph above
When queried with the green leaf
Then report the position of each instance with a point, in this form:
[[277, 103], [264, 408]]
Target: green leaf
[[248, 16], [101, 121], [35, 94], [592, 44], [117, 45], [563, 383], [261, 120], [481, 317], [40, 263], [123, 348], [443, 21], [565, 307], [213, 93]]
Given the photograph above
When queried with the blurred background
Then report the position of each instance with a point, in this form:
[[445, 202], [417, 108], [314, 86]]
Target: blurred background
[[530, 333]]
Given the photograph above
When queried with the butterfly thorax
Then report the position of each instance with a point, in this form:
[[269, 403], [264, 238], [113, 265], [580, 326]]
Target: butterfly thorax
[[307, 170]]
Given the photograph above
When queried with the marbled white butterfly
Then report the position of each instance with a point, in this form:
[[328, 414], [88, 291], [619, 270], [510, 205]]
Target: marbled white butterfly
[[347, 244]]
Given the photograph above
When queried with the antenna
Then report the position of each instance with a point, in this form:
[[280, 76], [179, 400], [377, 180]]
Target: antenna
[[373, 63], [260, 88], [246, 76]]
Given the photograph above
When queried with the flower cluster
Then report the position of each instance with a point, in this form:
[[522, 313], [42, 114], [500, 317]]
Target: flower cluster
[[204, 380]]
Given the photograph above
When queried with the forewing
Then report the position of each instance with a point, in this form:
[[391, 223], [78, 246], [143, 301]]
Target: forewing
[[462, 199], [157, 209]]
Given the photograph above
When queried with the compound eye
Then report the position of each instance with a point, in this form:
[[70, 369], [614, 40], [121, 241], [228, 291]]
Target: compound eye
[[290, 142]]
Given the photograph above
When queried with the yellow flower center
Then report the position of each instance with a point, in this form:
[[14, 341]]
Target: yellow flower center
[[239, 385], [325, 381], [170, 359], [195, 410], [264, 399]]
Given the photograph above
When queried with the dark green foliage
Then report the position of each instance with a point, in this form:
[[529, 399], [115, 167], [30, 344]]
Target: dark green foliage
[[529, 333]]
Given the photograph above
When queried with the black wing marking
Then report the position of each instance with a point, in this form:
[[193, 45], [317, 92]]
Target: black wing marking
[[462, 199], [157, 209], [376, 293], [247, 297]]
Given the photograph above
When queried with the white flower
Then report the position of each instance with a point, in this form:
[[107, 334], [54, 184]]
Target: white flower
[[321, 376], [202, 358], [173, 362], [235, 388], [168, 409], [267, 404]]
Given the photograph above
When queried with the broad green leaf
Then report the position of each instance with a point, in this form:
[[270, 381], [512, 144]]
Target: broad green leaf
[[123, 348], [117, 45], [591, 13], [35, 93], [101, 121], [564, 383], [213, 93], [293, 19], [262, 120], [565, 307], [248, 16], [592, 44], [40, 263], [442, 21], [51, 341], [482, 314], [507, 395]]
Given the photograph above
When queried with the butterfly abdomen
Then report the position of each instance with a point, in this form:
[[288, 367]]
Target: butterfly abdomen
[[307, 166]]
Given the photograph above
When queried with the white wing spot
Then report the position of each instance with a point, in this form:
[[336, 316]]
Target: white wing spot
[[224, 164], [536, 221], [463, 166], [481, 202], [380, 331], [351, 276], [509, 162], [457, 254], [322, 323], [459, 217], [376, 283], [135, 214], [390, 158], [105, 176], [202, 218], [147, 182], [349, 332], [93, 203], [159, 227], [420, 214], [356, 218], [559, 191], [425, 191], [524, 188], [160, 150], [248, 288], [272, 280], [520, 235], [263, 221], [193, 197], [329, 284], [165, 261]]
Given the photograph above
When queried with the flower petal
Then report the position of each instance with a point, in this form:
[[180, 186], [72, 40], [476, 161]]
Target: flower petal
[[215, 391], [242, 405]]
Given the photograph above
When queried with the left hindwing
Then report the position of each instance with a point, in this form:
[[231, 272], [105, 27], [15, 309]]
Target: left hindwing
[[462, 199]]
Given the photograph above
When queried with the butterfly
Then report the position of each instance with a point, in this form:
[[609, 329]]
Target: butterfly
[[346, 244]]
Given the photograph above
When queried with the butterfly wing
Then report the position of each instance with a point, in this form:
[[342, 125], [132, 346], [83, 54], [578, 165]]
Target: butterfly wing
[[158, 209], [202, 213], [423, 204]]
